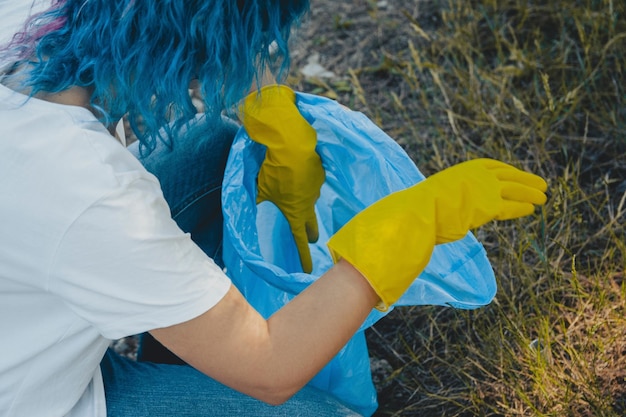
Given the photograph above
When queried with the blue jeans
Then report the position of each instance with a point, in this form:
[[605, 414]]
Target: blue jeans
[[159, 384]]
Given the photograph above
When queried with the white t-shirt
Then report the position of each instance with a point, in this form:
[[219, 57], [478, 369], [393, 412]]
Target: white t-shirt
[[88, 253]]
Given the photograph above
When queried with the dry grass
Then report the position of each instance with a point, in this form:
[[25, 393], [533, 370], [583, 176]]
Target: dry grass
[[539, 84]]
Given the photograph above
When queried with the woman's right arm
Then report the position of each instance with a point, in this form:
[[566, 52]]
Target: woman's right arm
[[389, 243], [272, 359]]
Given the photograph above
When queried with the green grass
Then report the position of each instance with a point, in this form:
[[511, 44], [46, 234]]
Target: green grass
[[539, 84]]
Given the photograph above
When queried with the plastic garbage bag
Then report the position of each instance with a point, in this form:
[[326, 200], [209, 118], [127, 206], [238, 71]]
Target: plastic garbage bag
[[362, 165]]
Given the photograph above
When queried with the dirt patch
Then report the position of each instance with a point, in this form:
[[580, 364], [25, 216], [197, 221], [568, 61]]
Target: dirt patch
[[359, 43]]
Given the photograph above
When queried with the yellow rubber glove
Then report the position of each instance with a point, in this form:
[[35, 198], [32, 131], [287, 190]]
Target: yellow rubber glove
[[391, 241], [291, 174]]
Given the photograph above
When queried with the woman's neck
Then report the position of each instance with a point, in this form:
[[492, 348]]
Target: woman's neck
[[73, 96]]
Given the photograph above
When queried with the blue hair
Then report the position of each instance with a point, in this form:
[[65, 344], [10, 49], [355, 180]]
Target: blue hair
[[138, 57]]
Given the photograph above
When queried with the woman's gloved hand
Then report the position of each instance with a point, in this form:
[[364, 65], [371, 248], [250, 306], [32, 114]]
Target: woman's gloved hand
[[291, 174], [391, 241]]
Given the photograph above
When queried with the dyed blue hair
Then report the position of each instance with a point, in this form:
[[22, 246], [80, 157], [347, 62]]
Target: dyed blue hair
[[138, 57]]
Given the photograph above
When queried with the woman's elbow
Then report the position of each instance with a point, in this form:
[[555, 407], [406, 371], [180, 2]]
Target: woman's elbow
[[274, 393]]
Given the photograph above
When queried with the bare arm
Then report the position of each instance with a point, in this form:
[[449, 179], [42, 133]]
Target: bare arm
[[272, 359]]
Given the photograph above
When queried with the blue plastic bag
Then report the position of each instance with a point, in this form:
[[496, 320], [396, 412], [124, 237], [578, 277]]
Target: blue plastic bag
[[362, 165]]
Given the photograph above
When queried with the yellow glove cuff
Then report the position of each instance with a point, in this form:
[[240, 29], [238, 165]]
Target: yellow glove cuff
[[271, 118], [388, 243]]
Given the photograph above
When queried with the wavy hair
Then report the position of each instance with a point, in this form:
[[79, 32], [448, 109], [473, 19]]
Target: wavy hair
[[138, 57]]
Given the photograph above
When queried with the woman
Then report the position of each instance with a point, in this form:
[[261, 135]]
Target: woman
[[93, 247]]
